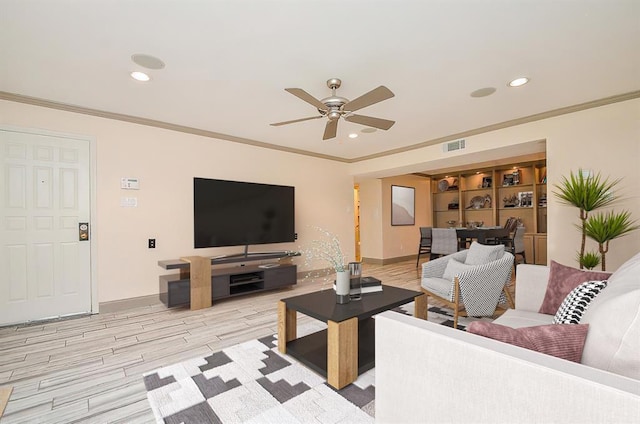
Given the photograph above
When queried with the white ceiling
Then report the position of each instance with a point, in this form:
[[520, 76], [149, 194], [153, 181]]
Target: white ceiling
[[228, 62]]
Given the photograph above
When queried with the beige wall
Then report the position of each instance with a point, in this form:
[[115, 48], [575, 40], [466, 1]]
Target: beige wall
[[166, 162], [402, 241], [383, 240], [605, 139], [371, 226]]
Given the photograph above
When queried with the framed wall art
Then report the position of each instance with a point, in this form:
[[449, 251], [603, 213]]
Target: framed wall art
[[403, 201]]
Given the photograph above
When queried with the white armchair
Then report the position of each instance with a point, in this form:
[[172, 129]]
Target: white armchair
[[472, 282]]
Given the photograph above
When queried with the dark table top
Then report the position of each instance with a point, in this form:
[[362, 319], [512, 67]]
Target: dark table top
[[481, 234], [322, 305]]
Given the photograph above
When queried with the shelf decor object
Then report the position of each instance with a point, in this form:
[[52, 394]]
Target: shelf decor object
[[479, 202], [403, 205], [507, 180]]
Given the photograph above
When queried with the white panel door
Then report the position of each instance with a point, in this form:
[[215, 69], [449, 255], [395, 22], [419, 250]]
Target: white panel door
[[45, 270]]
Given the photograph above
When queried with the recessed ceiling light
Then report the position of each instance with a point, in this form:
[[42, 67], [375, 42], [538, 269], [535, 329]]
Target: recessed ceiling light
[[483, 92], [353, 135], [518, 82], [140, 76]]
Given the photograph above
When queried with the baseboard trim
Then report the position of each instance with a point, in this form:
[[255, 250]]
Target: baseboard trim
[[387, 261], [130, 303]]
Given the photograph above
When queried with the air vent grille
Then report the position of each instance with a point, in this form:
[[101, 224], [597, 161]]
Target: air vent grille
[[453, 145]]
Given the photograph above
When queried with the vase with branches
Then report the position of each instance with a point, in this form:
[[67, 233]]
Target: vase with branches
[[324, 249], [586, 192]]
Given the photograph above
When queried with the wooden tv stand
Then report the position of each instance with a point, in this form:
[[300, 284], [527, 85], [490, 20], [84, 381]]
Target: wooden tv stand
[[190, 288]]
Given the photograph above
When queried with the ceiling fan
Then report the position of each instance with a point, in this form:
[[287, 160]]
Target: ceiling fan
[[335, 107]]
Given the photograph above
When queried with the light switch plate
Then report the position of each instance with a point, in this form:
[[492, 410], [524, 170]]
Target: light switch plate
[[129, 202]]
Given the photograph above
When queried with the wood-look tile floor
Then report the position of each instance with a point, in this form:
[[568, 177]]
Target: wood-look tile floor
[[89, 369]]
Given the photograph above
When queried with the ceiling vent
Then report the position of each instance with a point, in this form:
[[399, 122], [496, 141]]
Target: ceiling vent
[[453, 145]]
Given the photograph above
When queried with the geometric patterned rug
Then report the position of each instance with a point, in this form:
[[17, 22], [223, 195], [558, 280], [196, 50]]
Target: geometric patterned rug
[[253, 382]]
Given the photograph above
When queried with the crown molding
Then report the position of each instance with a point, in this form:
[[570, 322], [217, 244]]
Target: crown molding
[[511, 123], [157, 124], [211, 134]]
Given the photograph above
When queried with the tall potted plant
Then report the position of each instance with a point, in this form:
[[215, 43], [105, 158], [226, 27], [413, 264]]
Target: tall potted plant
[[586, 192], [604, 227]]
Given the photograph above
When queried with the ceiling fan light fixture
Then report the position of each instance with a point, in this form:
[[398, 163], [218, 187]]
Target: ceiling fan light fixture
[[140, 76], [518, 82], [334, 115], [336, 107]]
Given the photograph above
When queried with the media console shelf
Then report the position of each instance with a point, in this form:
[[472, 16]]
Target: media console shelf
[[178, 290]]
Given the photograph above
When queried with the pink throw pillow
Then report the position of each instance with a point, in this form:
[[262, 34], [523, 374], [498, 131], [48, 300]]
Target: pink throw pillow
[[565, 341], [563, 279]]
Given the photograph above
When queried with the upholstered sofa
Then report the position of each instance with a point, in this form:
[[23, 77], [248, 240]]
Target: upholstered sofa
[[431, 373]]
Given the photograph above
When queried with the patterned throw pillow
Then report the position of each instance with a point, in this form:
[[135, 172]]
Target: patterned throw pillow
[[454, 268], [480, 254], [577, 301]]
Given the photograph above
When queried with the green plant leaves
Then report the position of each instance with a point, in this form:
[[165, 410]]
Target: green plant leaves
[[604, 227], [589, 260], [586, 192]]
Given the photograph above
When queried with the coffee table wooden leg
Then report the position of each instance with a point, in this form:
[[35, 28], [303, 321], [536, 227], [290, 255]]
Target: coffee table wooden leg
[[342, 352], [287, 325], [420, 309]]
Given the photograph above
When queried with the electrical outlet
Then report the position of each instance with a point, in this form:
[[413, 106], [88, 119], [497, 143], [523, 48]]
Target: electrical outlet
[[295, 236], [152, 243]]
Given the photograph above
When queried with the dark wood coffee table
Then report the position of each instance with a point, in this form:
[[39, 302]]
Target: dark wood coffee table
[[347, 347]]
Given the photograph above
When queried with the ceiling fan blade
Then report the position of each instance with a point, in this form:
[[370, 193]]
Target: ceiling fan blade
[[330, 129], [277, 124], [301, 94], [383, 124], [374, 96]]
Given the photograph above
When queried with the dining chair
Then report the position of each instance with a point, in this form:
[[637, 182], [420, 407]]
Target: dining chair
[[514, 244], [425, 243], [444, 242]]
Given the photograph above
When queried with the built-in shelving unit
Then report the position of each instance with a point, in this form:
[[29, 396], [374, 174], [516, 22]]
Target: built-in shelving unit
[[491, 196]]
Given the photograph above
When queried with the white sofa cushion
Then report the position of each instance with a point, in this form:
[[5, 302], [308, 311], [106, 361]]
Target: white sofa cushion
[[516, 318], [531, 286], [613, 342]]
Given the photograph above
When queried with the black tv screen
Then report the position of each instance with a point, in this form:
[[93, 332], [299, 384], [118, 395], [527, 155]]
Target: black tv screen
[[233, 213]]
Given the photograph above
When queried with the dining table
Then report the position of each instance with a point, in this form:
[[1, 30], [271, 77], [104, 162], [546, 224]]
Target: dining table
[[483, 235]]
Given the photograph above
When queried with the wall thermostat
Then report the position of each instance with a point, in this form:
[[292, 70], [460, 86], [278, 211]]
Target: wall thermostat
[[129, 183]]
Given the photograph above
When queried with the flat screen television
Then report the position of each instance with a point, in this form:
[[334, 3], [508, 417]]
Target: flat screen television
[[234, 213]]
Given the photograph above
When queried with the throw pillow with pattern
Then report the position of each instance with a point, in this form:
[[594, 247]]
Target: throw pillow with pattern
[[577, 301]]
